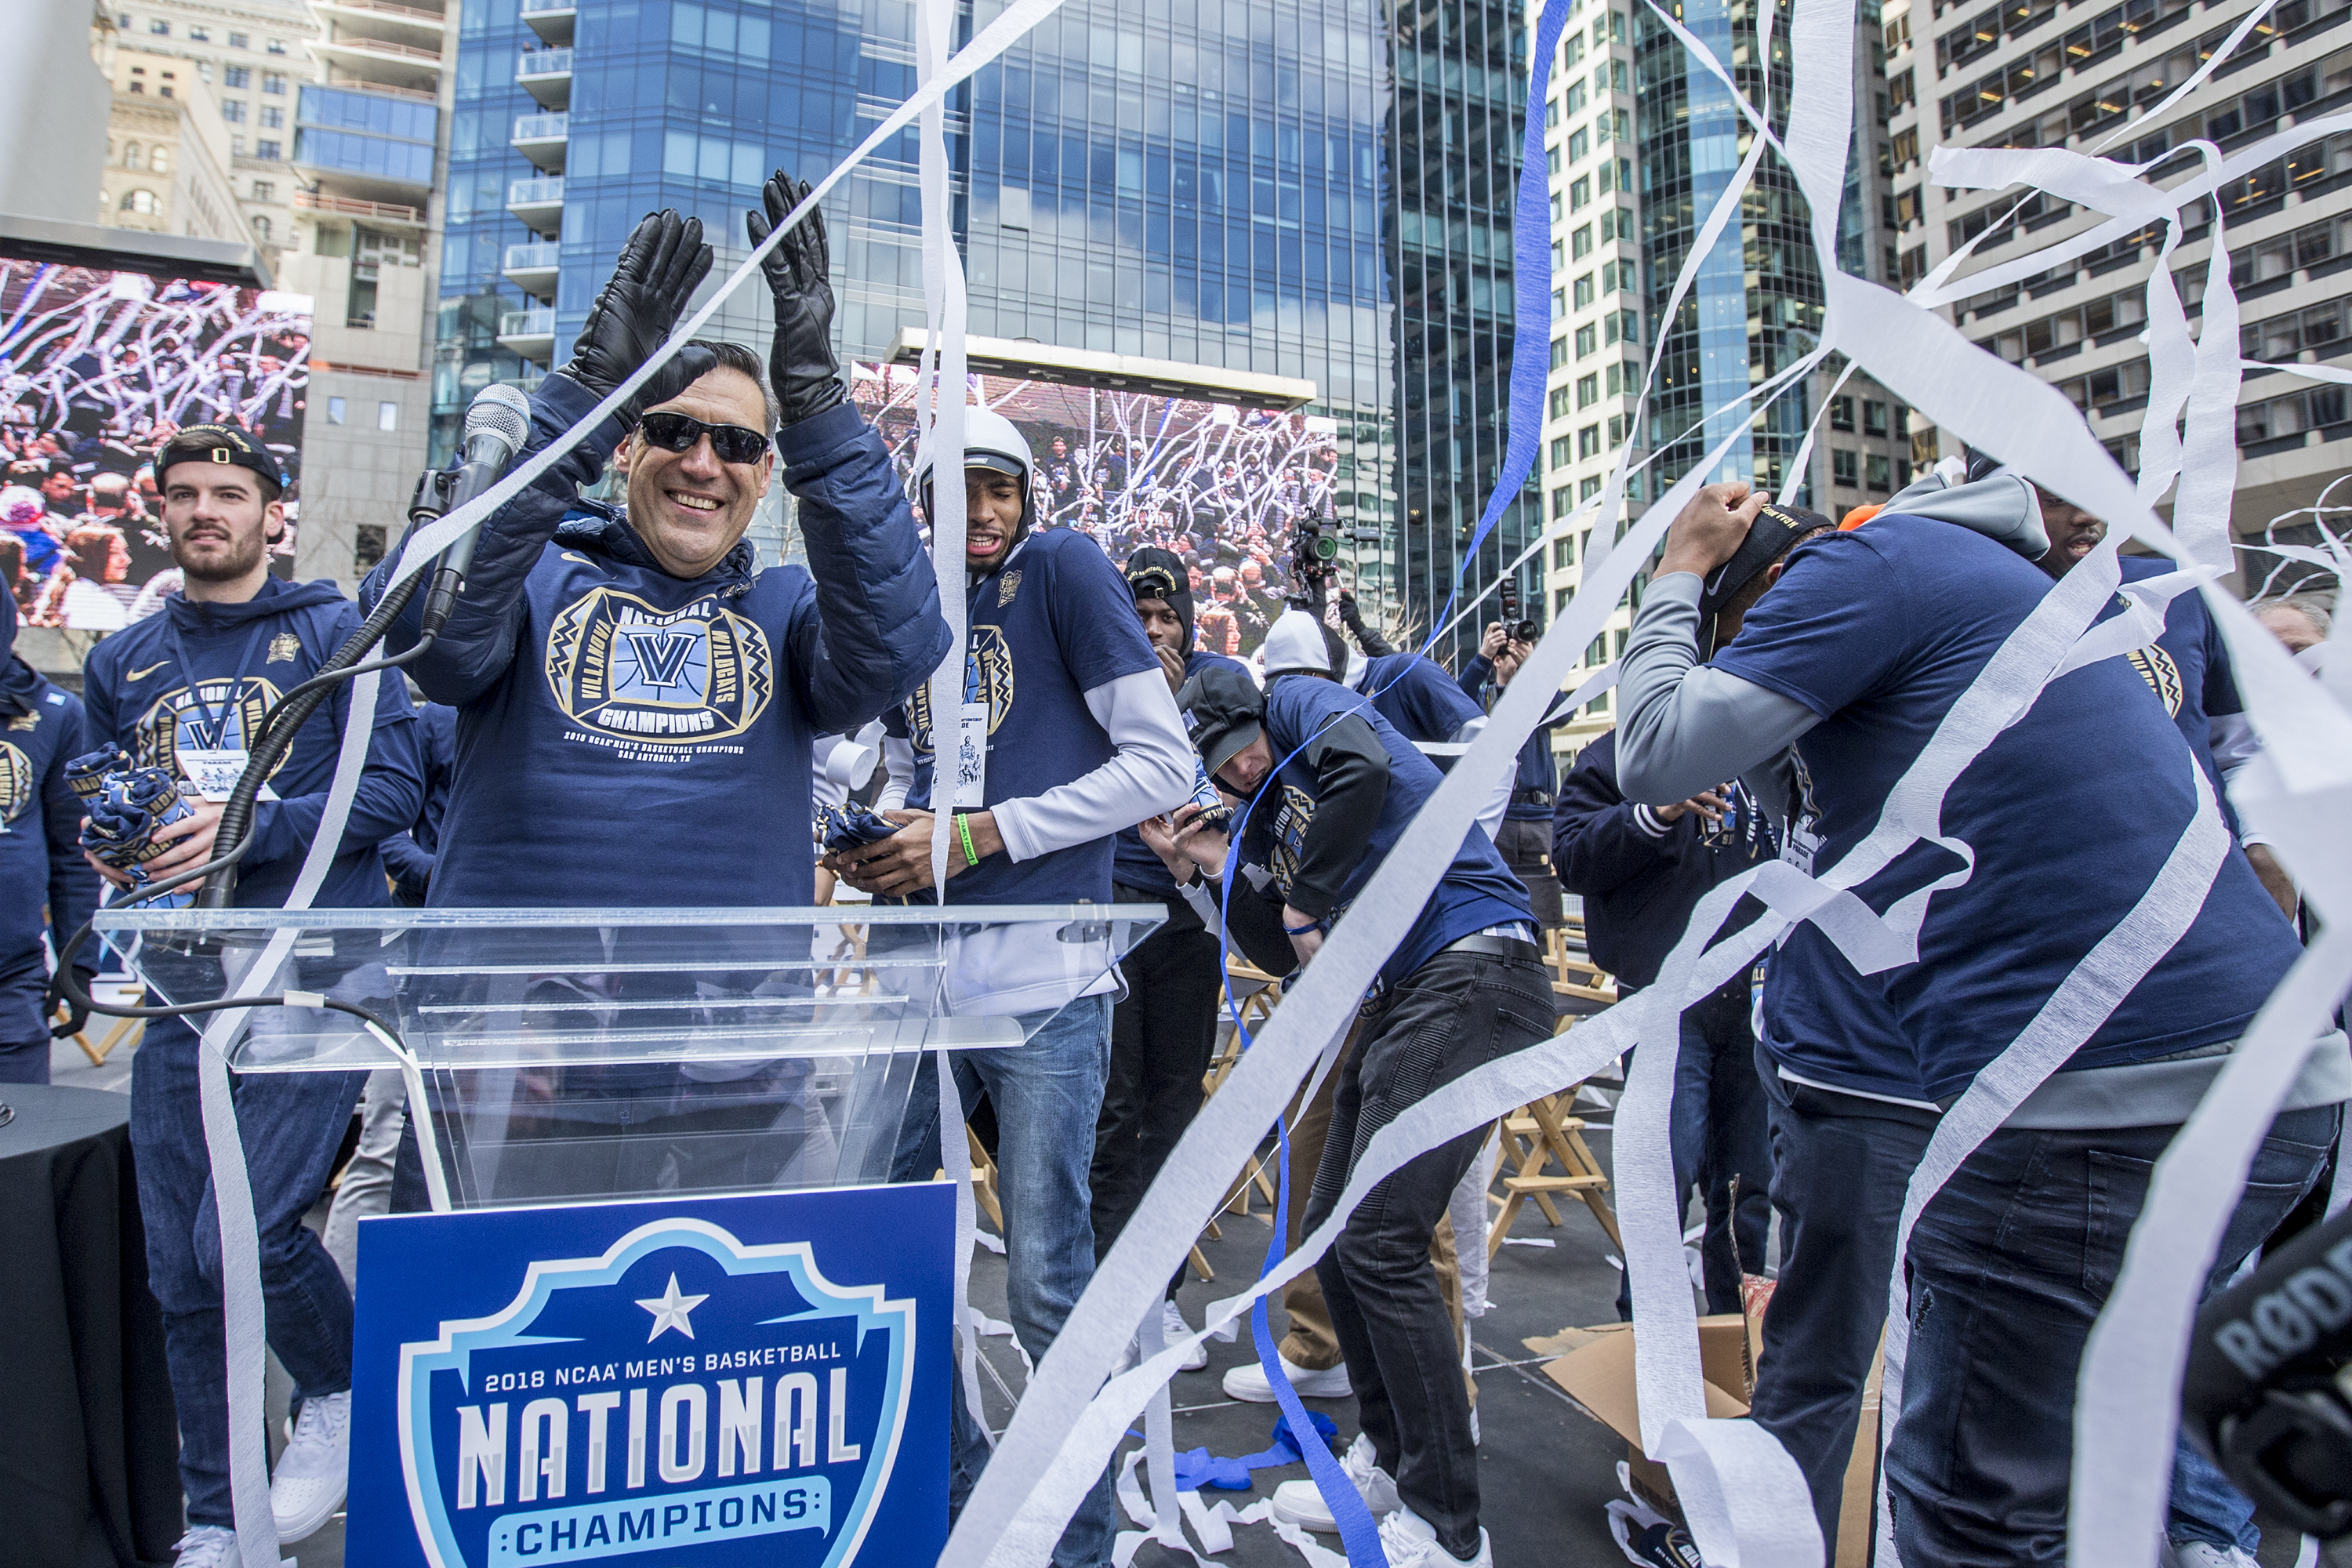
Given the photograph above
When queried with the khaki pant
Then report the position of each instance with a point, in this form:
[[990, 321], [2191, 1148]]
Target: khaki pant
[[1310, 1343]]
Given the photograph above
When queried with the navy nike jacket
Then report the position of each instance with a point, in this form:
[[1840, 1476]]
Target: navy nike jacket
[[628, 738], [245, 658], [41, 830]]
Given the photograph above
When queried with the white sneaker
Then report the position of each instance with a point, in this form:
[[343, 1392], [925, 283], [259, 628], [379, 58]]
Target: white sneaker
[[1249, 1382], [206, 1546], [1302, 1504], [1172, 1327], [314, 1472], [2204, 1554], [1409, 1542]]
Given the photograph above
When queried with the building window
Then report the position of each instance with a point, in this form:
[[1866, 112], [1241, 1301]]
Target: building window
[[1587, 340], [273, 117], [1584, 291], [1842, 413], [1560, 598], [233, 110], [273, 82], [266, 150], [1551, 160], [1580, 142], [1587, 441], [1559, 453], [388, 415], [1878, 472], [237, 76], [160, 160], [276, 46], [239, 41], [1580, 195], [1559, 352], [1617, 379], [159, 26], [1616, 431], [1588, 390], [133, 156], [334, 410], [237, 145], [1873, 417], [261, 228], [264, 191], [141, 202], [1559, 303], [1563, 549], [1572, 101], [1588, 489], [1581, 243], [1559, 405], [1842, 467]]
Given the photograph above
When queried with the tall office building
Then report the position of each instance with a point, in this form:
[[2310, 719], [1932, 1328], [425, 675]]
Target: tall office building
[[1318, 190], [1642, 140], [2030, 76]]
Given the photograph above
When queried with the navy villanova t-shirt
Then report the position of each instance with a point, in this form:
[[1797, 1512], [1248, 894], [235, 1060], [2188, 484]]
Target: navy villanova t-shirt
[[2070, 812], [1477, 890], [1051, 623]]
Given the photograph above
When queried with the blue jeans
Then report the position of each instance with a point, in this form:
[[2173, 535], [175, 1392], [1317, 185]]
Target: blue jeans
[[1716, 1132], [1048, 1095], [2010, 1266], [292, 1124], [1840, 1167]]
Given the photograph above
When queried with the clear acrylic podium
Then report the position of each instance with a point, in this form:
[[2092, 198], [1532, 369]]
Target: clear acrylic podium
[[571, 1055]]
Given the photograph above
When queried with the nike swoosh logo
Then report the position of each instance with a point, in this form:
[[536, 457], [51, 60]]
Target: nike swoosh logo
[[567, 555], [143, 674]]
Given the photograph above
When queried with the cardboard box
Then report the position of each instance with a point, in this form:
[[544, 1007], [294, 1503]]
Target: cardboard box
[[1598, 1376]]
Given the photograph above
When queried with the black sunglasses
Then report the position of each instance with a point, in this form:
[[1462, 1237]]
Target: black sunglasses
[[679, 432]]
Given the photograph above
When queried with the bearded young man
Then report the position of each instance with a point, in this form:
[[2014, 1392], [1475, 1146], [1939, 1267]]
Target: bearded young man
[[186, 690]]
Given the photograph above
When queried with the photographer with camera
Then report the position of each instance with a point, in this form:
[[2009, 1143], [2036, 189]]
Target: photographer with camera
[[1524, 837]]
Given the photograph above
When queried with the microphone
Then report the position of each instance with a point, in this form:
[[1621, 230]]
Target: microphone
[[498, 422]]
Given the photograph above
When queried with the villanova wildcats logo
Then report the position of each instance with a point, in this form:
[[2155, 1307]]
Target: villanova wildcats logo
[[212, 715], [618, 665], [987, 678], [15, 781], [2163, 676], [682, 1393]]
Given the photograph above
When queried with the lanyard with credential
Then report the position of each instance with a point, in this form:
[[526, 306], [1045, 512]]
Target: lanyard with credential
[[213, 729]]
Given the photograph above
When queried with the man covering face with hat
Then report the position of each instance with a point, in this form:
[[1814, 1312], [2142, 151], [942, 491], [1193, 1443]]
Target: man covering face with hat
[[186, 690], [1330, 788]]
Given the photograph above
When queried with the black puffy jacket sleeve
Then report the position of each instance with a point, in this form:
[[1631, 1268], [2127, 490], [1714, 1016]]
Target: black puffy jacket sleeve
[[1597, 845]]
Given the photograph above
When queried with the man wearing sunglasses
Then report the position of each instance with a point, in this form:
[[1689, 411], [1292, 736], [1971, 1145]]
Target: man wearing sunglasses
[[635, 656]]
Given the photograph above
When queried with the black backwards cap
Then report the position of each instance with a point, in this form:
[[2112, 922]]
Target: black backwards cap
[[1775, 529], [1223, 712], [223, 444]]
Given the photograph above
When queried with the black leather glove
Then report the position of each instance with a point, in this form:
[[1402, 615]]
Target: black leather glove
[[1352, 617], [659, 270], [78, 1014], [800, 365]]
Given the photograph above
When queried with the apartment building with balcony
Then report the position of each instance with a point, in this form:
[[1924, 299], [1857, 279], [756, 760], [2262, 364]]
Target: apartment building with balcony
[[250, 55], [369, 146], [2093, 77]]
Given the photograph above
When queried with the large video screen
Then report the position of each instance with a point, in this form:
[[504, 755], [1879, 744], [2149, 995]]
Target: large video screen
[[97, 368], [1222, 486]]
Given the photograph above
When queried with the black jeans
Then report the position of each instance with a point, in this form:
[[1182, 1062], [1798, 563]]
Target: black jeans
[[2009, 1264], [1717, 1137], [1454, 1014], [1161, 1040], [1840, 1165]]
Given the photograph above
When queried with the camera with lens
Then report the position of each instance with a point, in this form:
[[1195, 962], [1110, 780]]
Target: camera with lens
[[1515, 625], [1315, 556]]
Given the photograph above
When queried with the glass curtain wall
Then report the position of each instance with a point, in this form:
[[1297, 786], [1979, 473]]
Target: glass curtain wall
[[1756, 302], [1452, 140]]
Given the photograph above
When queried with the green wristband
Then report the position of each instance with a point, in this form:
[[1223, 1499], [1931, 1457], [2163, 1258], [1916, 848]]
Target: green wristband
[[963, 831]]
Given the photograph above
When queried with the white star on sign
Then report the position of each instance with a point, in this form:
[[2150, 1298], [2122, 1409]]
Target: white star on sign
[[670, 1309]]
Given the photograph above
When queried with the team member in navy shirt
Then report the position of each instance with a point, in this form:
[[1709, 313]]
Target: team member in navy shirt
[[1069, 733], [1162, 1030], [1856, 656], [198, 679], [636, 657], [1333, 788], [41, 865]]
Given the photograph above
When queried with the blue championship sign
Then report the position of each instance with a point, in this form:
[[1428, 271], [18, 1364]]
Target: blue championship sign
[[735, 1379]]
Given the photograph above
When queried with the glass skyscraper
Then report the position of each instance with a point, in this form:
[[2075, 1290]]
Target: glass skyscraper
[[1756, 303], [1311, 188]]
